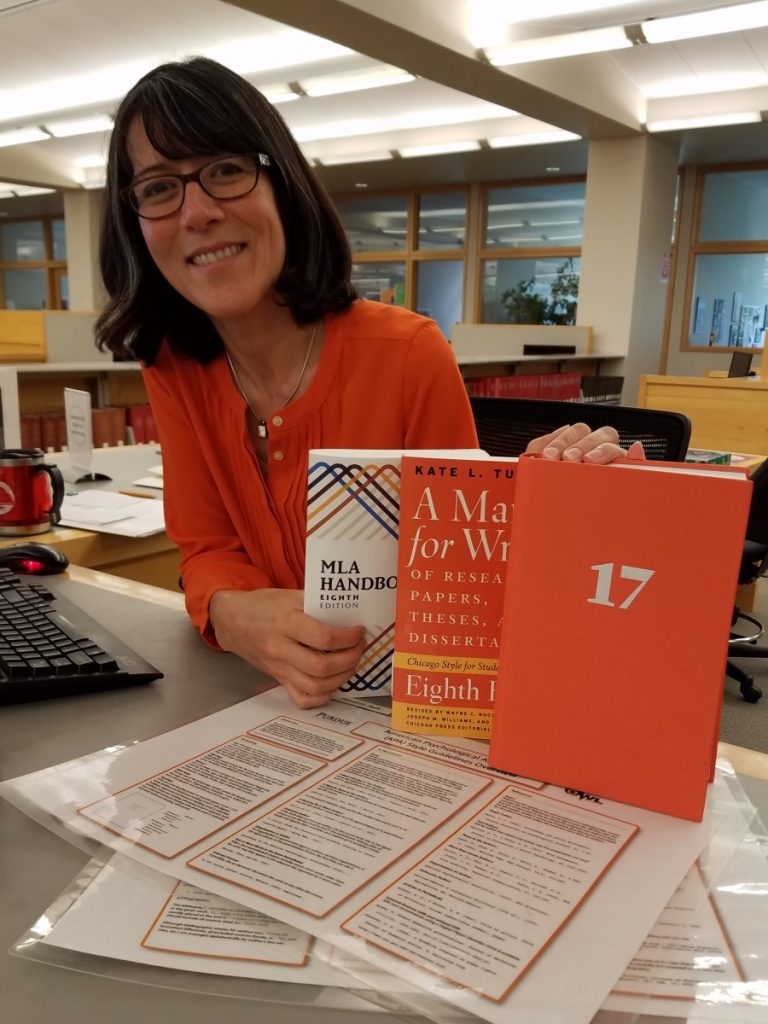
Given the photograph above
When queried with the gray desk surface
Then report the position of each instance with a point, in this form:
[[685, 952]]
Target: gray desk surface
[[122, 464], [36, 865]]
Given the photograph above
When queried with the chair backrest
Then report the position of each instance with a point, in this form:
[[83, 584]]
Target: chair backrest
[[506, 425], [757, 524]]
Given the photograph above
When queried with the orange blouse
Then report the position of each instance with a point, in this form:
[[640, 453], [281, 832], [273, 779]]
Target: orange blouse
[[387, 378]]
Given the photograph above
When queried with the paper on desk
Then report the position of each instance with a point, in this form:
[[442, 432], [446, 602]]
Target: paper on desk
[[149, 481], [110, 512], [338, 761]]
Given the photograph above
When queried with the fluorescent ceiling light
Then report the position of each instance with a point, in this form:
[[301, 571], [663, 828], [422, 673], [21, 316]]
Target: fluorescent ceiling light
[[75, 91], [18, 136], [95, 160], [570, 44], [353, 158], [700, 85], [30, 190], [81, 126], [436, 148], [337, 130], [255, 54], [267, 52], [556, 8], [735, 18], [355, 81], [424, 118], [510, 225], [531, 139], [705, 121], [538, 204]]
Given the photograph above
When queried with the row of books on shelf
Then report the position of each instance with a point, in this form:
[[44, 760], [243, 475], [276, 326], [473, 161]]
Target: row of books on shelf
[[537, 604], [570, 387], [556, 386], [110, 426]]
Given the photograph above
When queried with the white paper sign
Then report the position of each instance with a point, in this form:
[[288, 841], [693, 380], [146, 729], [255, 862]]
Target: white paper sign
[[77, 411]]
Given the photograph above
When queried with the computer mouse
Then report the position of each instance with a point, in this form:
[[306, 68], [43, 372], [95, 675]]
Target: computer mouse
[[33, 559]]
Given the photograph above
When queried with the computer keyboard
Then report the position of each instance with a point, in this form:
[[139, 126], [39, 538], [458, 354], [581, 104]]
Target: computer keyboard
[[49, 647]]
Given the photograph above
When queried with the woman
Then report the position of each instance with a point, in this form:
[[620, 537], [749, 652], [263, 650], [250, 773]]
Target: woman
[[229, 278]]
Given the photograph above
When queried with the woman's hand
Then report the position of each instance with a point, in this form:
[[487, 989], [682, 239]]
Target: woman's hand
[[269, 629], [577, 443]]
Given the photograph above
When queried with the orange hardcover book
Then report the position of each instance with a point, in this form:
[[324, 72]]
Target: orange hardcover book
[[455, 515], [617, 609]]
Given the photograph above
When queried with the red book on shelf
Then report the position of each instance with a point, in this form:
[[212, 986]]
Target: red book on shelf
[[455, 514], [117, 424], [53, 428], [619, 595], [135, 419], [101, 428], [30, 429], [149, 425]]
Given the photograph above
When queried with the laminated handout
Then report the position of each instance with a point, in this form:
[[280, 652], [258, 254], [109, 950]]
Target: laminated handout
[[404, 851]]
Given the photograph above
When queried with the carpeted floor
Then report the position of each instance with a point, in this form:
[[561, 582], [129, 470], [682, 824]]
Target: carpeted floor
[[747, 724]]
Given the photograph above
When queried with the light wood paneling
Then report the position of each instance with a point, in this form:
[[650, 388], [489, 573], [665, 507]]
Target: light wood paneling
[[727, 414], [22, 336]]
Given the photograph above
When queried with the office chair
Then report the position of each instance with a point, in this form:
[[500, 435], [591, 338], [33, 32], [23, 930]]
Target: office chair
[[754, 564], [506, 425]]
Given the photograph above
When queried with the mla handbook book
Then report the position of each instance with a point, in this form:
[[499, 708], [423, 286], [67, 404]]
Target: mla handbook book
[[353, 502], [455, 516], [620, 590]]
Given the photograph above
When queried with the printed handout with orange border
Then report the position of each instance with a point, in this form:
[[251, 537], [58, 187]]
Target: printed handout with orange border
[[404, 851], [690, 952]]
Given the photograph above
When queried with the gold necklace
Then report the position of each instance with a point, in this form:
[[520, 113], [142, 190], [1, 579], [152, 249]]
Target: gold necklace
[[261, 423]]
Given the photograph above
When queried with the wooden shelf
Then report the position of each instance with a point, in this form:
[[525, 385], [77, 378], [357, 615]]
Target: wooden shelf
[[39, 387]]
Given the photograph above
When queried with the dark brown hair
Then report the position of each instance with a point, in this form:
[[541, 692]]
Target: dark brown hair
[[197, 107]]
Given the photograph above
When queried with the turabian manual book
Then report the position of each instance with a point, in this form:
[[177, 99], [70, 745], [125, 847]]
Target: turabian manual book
[[353, 501], [455, 516], [614, 636]]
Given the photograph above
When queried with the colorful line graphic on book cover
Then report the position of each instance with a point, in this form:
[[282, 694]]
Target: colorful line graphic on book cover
[[352, 530]]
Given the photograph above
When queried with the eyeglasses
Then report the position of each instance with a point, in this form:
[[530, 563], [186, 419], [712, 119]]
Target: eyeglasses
[[228, 177]]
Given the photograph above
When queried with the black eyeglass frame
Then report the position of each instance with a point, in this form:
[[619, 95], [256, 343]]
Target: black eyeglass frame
[[127, 193]]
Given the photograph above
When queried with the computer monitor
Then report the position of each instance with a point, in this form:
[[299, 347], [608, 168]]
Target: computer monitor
[[740, 364]]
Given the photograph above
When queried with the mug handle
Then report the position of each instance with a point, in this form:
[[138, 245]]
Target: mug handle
[[57, 489]]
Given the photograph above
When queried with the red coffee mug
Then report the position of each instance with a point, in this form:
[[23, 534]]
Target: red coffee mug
[[31, 492]]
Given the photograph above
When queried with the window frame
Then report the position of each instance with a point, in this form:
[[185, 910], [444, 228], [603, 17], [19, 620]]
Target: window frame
[[698, 248], [53, 268]]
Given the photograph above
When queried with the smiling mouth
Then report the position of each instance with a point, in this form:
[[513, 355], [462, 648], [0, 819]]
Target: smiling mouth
[[203, 259]]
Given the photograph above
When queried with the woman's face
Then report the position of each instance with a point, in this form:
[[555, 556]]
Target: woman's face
[[222, 256]]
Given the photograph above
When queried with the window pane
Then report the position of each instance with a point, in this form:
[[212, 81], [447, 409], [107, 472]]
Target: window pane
[[384, 282], [730, 300], [22, 242], [59, 240], [734, 207], [442, 220], [24, 289], [535, 216], [438, 291], [530, 291], [375, 224]]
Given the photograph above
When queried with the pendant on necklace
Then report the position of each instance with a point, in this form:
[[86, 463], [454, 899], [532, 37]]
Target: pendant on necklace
[[261, 429]]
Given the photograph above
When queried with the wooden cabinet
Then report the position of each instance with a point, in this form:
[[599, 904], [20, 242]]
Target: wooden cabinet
[[726, 413]]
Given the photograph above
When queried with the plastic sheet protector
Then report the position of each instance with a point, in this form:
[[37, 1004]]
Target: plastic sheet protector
[[416, 870]]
